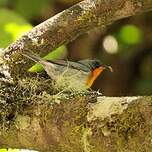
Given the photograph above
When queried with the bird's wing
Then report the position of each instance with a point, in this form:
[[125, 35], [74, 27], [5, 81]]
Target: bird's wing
[[71, 64], [80, 65]]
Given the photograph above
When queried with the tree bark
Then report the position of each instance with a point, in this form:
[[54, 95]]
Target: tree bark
[[80, 124], [34, 117], [77, 20]]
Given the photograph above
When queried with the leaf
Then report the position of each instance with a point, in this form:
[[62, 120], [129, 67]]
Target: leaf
[[58, 53]]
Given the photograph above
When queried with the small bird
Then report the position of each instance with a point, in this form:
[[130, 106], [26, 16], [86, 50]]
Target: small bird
[[80, 74]]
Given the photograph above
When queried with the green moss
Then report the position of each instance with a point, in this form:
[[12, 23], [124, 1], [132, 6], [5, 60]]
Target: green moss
[[22, 94], [22, 122], [126, 125], [124, 131], [71, 119]]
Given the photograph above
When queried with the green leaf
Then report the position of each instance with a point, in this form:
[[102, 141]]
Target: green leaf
[[56, 54], [12, 27]]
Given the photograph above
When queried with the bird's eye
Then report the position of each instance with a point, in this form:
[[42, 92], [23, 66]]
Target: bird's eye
[[97, 64]]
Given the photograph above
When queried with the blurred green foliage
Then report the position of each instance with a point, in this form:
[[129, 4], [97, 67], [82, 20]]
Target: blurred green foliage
[[12, 26], [130, 34], [3, 2], [3, 150], [31, 8], [58, 53], [143, 85]]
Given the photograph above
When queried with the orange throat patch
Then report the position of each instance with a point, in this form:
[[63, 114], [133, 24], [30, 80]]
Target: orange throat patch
[[93, 76]]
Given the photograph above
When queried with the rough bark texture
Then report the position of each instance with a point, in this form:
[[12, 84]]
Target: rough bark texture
[[71, 23], [35, 117], [108, 124]]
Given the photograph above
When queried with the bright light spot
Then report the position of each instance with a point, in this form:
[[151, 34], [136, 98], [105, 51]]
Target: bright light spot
[[110, 44]]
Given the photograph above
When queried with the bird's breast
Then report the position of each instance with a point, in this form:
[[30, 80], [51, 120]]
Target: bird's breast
[[67, 77]]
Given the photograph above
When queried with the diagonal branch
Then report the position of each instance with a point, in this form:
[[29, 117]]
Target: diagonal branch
[[69, 24]]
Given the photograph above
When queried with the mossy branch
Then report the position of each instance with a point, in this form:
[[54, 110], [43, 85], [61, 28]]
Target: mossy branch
[[39, 118], [79, 19], [34, 119]]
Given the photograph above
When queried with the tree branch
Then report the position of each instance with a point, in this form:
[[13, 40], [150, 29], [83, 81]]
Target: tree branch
[[69, 24], [76, 125]]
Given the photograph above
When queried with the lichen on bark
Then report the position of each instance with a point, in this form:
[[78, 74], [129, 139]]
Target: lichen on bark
[[36, 115]]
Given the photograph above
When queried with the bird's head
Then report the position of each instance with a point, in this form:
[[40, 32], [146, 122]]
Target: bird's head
[[97, 64], [97, 67]]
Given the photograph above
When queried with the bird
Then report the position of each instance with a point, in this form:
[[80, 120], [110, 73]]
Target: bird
[[79, 74]]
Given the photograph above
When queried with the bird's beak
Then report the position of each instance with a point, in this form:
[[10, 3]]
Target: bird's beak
[[108, 68]]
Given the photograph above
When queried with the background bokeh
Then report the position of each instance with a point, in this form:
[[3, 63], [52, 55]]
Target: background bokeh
[[126, 45]]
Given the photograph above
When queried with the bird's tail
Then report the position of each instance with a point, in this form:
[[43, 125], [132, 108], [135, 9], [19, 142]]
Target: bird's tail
[[35, 58]]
